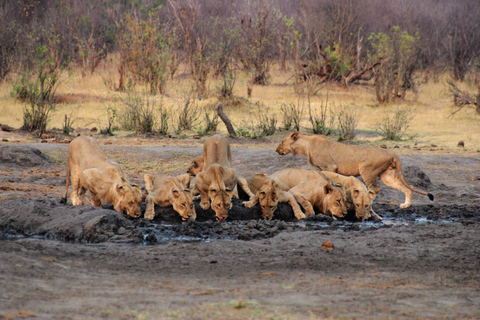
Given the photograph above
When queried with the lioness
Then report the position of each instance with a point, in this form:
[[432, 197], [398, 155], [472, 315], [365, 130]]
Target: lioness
[[90, 169], [267, 193], [358, 197], [369, 163], [167, 190], [311, 191], [218, 180]]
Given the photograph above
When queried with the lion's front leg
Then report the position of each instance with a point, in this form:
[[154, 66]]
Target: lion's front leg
[[244, 185], [76, 186], [304, 202], [375, 215], [285, 196], [82, 197], [204, 200], [150, 208], [250, 204], [96, 200]]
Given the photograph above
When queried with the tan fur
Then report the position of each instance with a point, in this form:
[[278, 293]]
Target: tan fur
[[217, 180], [196, 166], [268, 195], [347, 160], [358, 197], [167, 190], [90, 169], [311, 191]]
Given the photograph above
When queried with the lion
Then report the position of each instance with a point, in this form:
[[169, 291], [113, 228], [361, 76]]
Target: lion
[[167, 190], [358, 198], [369, 163], [268, 195], [311, 191], [218, 180], [196, 166], [90, 169]]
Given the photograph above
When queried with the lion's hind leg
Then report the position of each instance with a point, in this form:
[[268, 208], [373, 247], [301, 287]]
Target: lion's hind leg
[[389, 178]]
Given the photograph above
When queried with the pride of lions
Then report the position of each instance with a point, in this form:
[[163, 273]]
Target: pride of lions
[[331, 190]]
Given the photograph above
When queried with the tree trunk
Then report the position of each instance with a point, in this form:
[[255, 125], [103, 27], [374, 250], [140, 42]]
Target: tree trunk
[[223, 116]]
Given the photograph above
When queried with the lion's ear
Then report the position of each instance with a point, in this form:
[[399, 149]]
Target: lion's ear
[[148, 179], [355, 192], [372, 195], [327, 188], [185, 179], [120, 188], [175, 193], [294, 135]]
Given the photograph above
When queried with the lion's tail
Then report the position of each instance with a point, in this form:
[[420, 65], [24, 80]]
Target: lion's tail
[[397, 163]]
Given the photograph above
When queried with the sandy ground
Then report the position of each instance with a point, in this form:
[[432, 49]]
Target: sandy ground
[[63, 262]]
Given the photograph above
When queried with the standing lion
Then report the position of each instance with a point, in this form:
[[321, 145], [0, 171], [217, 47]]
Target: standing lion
[[90, 170], [369, 163]]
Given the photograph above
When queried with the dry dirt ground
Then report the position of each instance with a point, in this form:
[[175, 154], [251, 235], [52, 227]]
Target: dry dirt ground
[[63, 262]]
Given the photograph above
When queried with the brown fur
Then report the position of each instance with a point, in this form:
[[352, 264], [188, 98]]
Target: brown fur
[[369, 163], [167, 190], [268, 195], [358, 198], [90, 169], [218, 180], [196, 166], [311, 191]]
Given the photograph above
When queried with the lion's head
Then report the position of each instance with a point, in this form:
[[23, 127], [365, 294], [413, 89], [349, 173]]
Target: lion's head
[[196, 166], [221, 202], [127, 198], [334, 202], [183, 204], [285, 146], [268, 199], [362, 201]]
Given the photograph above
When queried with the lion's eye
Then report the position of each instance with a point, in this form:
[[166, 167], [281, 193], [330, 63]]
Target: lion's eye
[[338, 201], [183, 204], [191, 206]]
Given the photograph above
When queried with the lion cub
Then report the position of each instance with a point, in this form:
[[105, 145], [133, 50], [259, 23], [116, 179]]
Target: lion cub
[[268, 194], [167, 190], [311, 191], [358, 197]]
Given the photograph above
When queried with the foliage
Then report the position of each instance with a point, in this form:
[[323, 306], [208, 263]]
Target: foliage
[[394, 125], [399, 51], [188, 113], [323, 121], [111, 115], [347, 121], [138, 112], [145, 52], [37, 85], [292, 114]]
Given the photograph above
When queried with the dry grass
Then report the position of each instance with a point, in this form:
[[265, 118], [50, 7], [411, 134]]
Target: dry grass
[[88, 99]]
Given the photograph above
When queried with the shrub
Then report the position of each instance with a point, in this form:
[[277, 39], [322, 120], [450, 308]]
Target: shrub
[[188, 113], [347, 120], [394, 125], [292, 114], [266, 124], [139, 112], [323, 122]]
